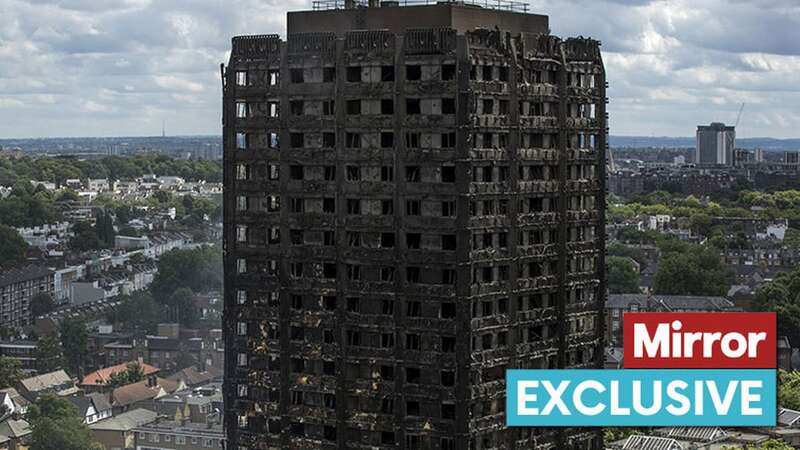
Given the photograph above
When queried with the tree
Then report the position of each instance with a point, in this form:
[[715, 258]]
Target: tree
[[57, 425], [185, 360], [182, 308], [782, 296], [133, 373], [85, 237], [75, 341], [199, 270], [10, 372], [127, 230], [631, 251], [12, 247], [162, 196], [769, 295], [104, 228], [621, 275], [772, 444], [123, 214], [41, 304], [138, 313], [616, 434], [49, 355], [792, 238], [700, 223], [692, 270], [67, 195]]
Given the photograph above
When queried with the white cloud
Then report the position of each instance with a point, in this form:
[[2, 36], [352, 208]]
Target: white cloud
[[173, 83], [94, 107], [10, 103], [120, 67]]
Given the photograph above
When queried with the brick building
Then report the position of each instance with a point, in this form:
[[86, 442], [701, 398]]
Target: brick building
[[414, 203]]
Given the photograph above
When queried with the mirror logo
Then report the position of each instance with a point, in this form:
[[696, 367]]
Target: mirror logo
[[681, 369]]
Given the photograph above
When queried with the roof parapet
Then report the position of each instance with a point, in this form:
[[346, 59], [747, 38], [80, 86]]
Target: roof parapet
[[503, 5]]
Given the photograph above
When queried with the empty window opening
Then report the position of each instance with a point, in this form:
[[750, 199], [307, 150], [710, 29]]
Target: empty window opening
[[413, 72], [296, 75], [354, 74]]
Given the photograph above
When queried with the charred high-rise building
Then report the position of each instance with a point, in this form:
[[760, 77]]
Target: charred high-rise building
[[414, 203]]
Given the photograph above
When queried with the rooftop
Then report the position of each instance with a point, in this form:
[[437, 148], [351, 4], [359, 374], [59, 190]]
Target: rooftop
[[651, 443], [58, 380], [193, 377], [504, 5], [13, 428], [332, 16], [204, 429], [788, 417], [126, 421], [136, 392], [695, 434], [19, 275], [670, 302], [103, 376]]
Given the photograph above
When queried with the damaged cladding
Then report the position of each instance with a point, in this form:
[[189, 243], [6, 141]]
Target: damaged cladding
[[410, 210]]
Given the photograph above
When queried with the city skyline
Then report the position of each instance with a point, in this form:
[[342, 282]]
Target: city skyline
[[74, 68]]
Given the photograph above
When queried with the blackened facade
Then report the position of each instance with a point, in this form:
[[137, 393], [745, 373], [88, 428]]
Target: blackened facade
[[409, 212]]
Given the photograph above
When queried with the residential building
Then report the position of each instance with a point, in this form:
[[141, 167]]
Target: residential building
[[715, 144], [15, 402], [116, 433], [167, 435], [203, 405], [99, 184], [57, 382], [63, 279], [48, 234], [15, 434], [23, 351], [101, 378], [92, 407], [17, 288], [162, 352], [194, 378], [784, 354], [414, 204], [104, 335], [144, 393]]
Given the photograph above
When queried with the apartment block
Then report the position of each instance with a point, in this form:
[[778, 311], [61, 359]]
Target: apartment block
[[414, 203], [17, 288]]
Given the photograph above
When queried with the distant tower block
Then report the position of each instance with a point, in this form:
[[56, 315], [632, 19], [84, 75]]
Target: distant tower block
[[715, 145]]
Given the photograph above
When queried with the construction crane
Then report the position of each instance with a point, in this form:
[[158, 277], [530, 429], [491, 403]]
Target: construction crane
[[739, 116], [612, 164]]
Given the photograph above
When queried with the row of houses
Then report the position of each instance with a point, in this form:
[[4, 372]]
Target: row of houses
[[714, 438], [144, 183], [104, 275], [110, 349], [186, 405]]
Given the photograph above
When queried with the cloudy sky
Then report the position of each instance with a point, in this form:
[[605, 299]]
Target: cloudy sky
[[121, 67]]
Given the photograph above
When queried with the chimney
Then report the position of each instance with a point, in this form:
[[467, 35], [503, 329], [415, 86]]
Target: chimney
[[152, 381]]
